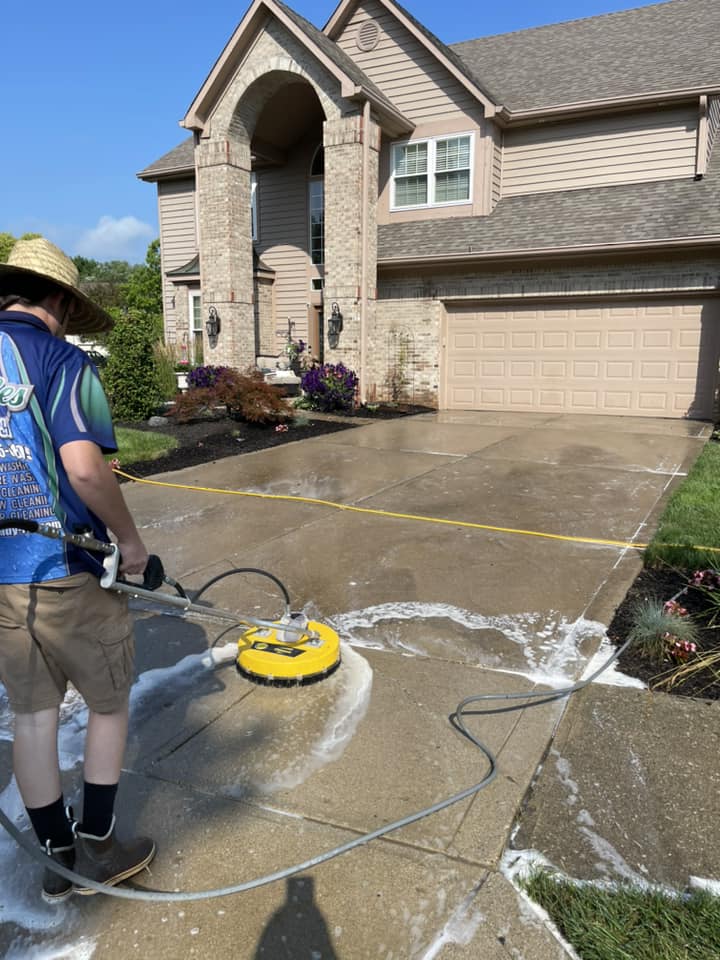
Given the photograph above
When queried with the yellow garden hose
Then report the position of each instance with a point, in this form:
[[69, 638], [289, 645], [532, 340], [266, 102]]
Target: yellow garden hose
[[398, 516]]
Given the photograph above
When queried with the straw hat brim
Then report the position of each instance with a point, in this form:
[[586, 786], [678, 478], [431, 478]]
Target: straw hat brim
[[87, 317]]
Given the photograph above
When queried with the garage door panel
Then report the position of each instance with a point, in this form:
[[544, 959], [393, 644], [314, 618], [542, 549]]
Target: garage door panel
[[633, 358]]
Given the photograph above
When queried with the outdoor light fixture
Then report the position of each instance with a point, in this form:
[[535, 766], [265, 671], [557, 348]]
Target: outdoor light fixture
[[212, 326], [335, 325]]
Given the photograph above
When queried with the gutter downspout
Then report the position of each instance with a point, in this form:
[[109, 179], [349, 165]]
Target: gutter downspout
[[363, 249]]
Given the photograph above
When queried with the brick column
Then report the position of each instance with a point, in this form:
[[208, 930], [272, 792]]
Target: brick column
[[343, 142], [223, 197]]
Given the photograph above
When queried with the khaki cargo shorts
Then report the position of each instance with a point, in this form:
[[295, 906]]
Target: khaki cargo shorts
[[68, 630]]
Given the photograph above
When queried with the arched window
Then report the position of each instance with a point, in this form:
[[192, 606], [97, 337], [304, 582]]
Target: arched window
[[316, 205]]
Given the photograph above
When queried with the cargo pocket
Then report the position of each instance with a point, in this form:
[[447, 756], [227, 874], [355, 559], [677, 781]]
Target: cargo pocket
[[117, 653]]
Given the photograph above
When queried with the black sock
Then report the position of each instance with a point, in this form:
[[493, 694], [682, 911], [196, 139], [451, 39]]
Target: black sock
[[50, 823], [98, 805]]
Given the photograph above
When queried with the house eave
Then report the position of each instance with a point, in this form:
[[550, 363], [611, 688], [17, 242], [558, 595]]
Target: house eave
[[170, 174], [553, 253], [508, 117]]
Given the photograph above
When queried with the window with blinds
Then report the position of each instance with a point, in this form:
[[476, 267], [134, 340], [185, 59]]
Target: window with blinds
[[432, 172]]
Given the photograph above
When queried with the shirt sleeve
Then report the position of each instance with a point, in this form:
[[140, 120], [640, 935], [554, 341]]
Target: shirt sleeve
[[78, 407]]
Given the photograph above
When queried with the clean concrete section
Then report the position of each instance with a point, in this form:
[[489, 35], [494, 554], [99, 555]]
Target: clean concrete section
[[237, 781]]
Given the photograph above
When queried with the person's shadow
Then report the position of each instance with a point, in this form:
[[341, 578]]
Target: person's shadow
[[297, 931]]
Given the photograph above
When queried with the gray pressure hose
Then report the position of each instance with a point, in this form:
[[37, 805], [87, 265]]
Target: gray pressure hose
[[535, 698]]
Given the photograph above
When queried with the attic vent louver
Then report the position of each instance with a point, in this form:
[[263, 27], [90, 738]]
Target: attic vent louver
[[368, 34]]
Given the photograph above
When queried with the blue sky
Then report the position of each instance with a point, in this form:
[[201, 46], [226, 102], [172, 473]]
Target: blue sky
[[93, 92]]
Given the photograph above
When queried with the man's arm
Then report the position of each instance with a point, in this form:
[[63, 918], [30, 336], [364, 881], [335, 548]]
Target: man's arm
[[93, 481]]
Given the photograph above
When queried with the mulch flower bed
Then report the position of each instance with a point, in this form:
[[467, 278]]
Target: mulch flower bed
[[665, 584]]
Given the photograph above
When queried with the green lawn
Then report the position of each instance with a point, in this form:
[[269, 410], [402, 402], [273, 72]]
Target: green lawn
[[629, 924], [691, 519], [137, 445]]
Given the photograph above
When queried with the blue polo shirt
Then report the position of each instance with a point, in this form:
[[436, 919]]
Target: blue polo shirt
[[50, 394]]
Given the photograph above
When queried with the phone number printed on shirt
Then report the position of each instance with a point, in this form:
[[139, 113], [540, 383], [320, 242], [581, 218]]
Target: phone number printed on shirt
[[16, 451]]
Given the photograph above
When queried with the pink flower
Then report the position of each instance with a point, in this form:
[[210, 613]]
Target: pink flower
[[281, 428], [674, 609], [682, 649]]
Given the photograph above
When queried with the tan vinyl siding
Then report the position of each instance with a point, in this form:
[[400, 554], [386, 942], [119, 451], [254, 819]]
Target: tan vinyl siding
[[622, 149], [178, 245], [404, 69], [178, 225], [283, 237]]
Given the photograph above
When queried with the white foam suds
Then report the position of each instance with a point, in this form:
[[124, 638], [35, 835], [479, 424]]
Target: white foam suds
[[518, 865], [701, 883], [460, 927], [611, 677], [80, 950], [548, 644]]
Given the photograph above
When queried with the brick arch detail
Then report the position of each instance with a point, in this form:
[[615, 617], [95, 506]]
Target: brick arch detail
[[250, 92]]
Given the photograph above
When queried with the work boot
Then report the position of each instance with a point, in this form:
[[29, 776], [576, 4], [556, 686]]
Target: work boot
[[107, 860], [56, 888]]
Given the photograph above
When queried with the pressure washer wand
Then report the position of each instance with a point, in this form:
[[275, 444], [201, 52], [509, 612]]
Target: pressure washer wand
[[153, 577]]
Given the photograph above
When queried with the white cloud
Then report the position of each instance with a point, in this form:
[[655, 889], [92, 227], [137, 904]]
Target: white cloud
[[115, 239]]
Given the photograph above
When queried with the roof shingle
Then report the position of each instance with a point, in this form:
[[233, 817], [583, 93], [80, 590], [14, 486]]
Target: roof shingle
[[665, 46]]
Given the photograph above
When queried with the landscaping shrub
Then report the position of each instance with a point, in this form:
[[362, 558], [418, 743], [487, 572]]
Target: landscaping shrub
[[131, 378], [165, 370], [243, 397], [329, 387], [663, 631]]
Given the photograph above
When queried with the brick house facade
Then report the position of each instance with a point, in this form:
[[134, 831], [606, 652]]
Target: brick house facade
[[495, 230]]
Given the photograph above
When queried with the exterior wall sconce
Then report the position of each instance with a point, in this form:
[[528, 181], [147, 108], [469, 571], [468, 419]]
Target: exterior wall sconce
[[212, 326], [335, 325]]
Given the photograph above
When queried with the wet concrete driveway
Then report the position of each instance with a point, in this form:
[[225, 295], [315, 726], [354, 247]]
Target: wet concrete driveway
[[237, 781]]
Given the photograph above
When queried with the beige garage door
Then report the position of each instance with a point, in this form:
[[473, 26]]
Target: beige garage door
[[653, 359]]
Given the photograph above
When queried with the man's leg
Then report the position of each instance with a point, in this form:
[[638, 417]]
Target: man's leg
[[35, 757], [35, 761], [104, 752], [101, 857]]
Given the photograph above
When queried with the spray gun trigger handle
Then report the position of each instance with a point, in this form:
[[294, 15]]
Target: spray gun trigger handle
[[154, 575]]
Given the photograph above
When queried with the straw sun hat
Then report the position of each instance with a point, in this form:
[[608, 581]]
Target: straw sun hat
[[41, 258]]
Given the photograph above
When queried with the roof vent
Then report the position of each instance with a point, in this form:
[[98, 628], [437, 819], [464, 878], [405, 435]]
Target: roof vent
[[368, 34]]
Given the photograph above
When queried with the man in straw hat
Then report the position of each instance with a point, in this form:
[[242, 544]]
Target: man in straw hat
[[57, 625]]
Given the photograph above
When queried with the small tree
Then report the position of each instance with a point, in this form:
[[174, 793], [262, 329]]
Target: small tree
[[243, 396], [132, 378]]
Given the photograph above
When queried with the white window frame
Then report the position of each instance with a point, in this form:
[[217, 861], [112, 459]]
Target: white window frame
[[253, 207], [431, 171], [193, 297]]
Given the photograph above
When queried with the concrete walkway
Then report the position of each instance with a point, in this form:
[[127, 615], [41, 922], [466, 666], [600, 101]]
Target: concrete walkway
[[237, 781]]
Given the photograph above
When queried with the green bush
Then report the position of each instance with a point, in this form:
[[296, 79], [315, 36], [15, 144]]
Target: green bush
[[131, 377]]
